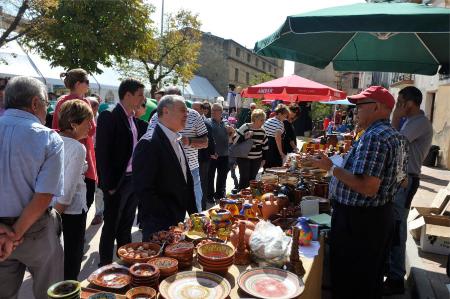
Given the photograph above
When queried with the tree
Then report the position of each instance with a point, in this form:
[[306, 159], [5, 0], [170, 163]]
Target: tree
[[260, 78], [23, 16], [320, 111], [85, 33], [169, 58]]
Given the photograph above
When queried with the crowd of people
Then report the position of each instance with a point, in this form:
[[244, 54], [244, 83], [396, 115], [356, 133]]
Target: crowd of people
[[177, 163]]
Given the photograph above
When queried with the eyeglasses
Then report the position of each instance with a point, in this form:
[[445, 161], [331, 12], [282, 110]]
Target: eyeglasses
[[46, 102]]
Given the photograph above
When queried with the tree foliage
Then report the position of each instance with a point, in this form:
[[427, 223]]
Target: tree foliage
[[24, 16], [260, 78], [320, 111], [84, 33], [170, 58]]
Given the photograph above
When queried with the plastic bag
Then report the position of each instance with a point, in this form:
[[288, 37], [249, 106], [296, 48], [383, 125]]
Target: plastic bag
[[269, 245]]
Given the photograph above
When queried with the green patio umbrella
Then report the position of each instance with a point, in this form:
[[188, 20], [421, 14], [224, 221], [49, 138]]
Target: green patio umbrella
[[389, 37], [150, 105]]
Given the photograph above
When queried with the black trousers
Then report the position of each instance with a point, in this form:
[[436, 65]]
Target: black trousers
[[248, 169], [74, 227], [90, 192], [118, 218], [273, 155], [204, 177], [221, 166], [359, 243]]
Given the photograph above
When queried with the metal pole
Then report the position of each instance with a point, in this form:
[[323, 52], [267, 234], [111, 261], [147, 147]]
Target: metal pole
[[161, 34]]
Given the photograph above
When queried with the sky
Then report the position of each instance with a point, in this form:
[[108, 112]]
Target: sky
[[245, 21]]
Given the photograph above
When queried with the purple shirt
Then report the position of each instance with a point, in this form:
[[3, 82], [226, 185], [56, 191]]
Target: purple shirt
[[135, 135]]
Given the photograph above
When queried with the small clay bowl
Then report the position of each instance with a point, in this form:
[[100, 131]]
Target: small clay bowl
[[141, 292], [144, 271], [215, 251], [166, 265]]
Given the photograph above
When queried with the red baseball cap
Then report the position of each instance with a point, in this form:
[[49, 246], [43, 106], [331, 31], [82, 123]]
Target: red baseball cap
[[376, 93]]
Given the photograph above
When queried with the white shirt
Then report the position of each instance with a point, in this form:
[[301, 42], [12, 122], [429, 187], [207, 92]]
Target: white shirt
[[174, 139], [195, 127], [74, 186]]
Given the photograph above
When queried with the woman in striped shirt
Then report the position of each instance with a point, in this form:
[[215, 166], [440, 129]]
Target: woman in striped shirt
[[274, 128], [249, 167]]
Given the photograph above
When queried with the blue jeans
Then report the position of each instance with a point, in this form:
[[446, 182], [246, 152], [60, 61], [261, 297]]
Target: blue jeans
[[402, 201], [197, 188]]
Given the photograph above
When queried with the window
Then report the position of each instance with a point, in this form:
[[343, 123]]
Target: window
[[355, 82], [257, 62], [247, 78], [264, 65], [249, 58], [236, 75], [238, 52], [270, 68]]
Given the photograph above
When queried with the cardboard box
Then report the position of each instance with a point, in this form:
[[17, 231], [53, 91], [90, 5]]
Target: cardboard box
[[435, 234]]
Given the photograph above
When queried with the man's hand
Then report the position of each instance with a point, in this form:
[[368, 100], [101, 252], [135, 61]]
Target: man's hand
[[215, 156], [185, 140], [248, 135], [321, 161], [111, 192], [7, 243]]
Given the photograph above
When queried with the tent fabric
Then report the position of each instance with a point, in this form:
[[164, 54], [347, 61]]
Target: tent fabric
[[338, 102], [293, 88], [389, 37], [199, 88]]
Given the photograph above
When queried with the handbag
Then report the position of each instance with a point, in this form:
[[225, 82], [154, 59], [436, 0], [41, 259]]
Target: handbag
[[241, 149]]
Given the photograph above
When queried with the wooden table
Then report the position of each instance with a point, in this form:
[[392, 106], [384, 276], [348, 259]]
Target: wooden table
[[312, 279]]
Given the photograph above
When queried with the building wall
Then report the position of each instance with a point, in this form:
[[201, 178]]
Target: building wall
[[441, 125], [219, 58], [213, 63]]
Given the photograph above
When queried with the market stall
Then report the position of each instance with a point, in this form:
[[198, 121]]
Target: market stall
[[256, 243]]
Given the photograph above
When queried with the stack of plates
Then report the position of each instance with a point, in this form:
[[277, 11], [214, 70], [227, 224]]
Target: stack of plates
[[144, 275], [67, 289]]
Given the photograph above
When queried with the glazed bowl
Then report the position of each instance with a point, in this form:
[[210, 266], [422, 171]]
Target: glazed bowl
[[144, 271], [64, 289], [166, 265], [215, 252], [141, 292], [225, 263], [180, 249], [138, 252], [103, 296]]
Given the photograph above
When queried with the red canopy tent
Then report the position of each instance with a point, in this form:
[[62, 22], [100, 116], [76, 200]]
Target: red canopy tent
[[293, 89]]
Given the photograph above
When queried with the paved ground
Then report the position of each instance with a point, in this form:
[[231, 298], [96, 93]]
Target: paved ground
[[428, 277]]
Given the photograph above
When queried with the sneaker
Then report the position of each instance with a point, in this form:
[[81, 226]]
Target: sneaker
[[393, 287], [98, 219]]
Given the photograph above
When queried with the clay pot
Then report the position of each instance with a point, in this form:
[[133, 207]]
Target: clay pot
[[232, 206], [320, 189], [234, 236], [270, 206], [220, 215], [282, 201]]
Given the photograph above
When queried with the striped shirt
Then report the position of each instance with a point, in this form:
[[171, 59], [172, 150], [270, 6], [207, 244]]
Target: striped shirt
[[195, 127], [272, 125], [259, 137]]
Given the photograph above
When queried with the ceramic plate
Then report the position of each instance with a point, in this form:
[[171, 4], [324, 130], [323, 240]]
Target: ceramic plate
[[195, 284], [270, 282], [111, 277]]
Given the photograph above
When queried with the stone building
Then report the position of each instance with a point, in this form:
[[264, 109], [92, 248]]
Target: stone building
[[224, 61], [345, 81]]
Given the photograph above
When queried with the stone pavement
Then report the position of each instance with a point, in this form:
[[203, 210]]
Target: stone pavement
[[426, 272]]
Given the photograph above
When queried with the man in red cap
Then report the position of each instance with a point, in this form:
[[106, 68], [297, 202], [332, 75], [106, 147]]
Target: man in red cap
[[362, 190]]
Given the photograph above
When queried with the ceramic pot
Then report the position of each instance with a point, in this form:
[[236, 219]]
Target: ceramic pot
[[306, 234], [269, 207], [198, 221], [320, 189], [220, 215], [232, 206], [247, 211]]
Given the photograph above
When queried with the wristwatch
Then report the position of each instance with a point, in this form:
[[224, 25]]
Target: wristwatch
[[331, 171]]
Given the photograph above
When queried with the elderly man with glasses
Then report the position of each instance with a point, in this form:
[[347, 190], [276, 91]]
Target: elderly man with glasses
[[362, 192], [31, 161]]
